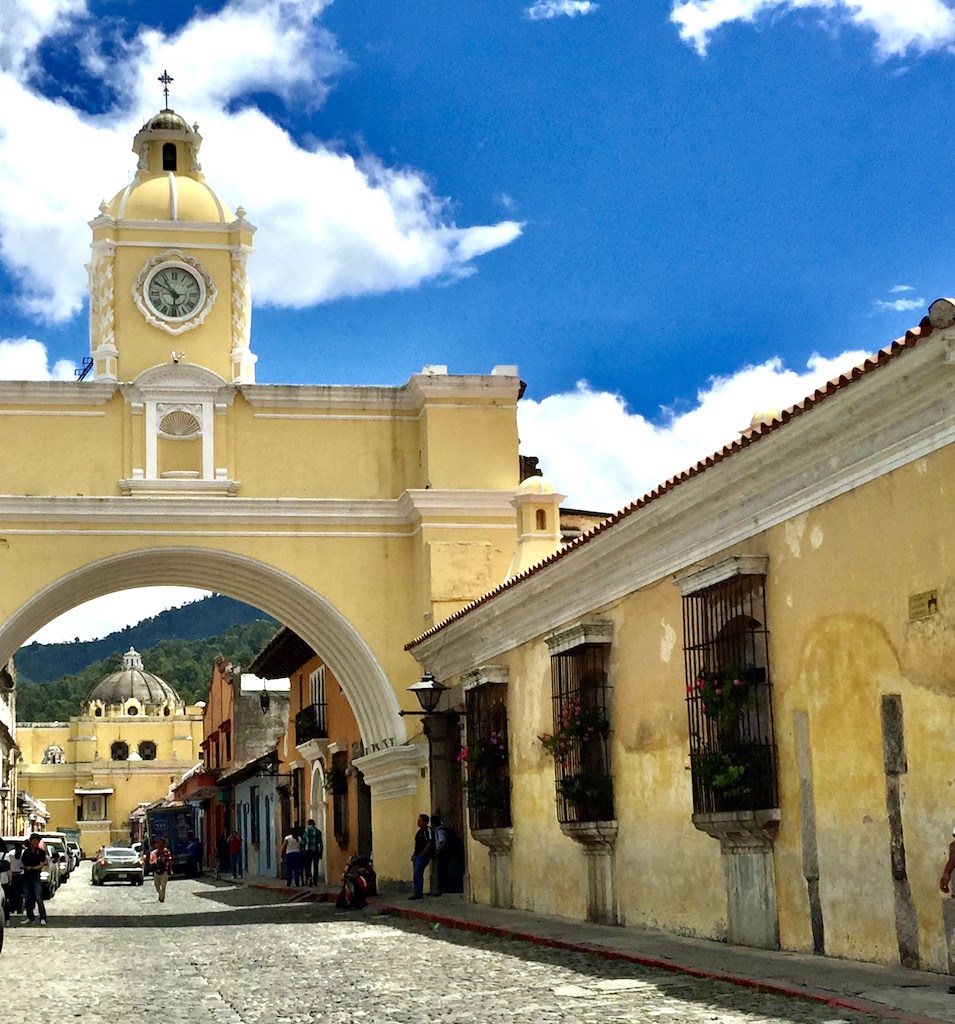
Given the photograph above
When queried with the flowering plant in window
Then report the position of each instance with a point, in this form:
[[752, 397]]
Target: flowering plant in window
[[724, 693], [484, 760], [577, 724]]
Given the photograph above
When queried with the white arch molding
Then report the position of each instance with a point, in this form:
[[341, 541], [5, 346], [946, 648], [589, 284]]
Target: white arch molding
[[307, 613]]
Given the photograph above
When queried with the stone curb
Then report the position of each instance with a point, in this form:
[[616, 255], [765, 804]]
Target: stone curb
[[503, 932], [775, 988]]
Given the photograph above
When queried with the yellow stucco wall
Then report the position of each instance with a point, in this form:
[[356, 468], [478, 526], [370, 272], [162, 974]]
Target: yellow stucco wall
[[86, 743], [837, 590]]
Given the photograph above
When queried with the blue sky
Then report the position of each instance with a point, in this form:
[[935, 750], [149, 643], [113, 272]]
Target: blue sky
[[667, 213]]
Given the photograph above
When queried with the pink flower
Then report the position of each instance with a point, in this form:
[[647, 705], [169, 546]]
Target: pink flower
[[699, 684], [737, 682], [719, 692]]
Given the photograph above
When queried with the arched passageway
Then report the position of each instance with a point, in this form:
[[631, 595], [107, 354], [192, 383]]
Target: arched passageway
[[294, 604]]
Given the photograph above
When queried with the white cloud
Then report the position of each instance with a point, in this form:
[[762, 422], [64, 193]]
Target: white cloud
[[26, 359], [899, 26], [899, 305], [901, 288], [329, 225], [545, 9], [602, 456], [104, 615]]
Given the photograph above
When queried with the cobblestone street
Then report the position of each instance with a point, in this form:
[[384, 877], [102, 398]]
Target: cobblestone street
[[214, 953]]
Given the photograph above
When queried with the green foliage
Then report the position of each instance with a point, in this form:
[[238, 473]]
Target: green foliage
[[184, 664], [207, 618]]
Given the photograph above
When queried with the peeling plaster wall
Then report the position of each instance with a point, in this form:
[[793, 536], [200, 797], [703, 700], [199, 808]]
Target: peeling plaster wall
[[864, 831]]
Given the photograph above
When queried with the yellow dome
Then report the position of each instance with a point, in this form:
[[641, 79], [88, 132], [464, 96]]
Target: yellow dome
[[169, 184], [764, 416], [536, 485], [169, 196]]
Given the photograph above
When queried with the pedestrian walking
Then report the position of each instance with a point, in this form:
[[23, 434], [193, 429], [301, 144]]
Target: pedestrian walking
[[313, 846], [160, 862], [34, 860], [223, 857], [292, 855], [16, 879], [423, 853], [235, 854]]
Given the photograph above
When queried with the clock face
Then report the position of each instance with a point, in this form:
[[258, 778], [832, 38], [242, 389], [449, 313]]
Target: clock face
[[174, 292]]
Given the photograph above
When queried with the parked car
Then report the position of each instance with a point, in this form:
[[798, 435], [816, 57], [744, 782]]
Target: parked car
[[117, 864], [58, 853], [74, 847], [49, 876]]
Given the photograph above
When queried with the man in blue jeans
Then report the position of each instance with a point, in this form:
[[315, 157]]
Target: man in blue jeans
[[34, 860], [423, 852]]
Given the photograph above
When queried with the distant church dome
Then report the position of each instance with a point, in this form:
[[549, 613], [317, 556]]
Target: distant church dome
[[133, 691], [169, 183]]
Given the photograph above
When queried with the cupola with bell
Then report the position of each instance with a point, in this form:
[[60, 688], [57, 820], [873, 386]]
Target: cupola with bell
[[168, 277]]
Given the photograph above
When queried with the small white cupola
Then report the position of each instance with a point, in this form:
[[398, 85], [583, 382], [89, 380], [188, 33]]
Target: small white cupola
[[538, 523]]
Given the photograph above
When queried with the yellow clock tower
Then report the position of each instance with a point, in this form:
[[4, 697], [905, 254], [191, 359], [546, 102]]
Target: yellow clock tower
[[168, 273]]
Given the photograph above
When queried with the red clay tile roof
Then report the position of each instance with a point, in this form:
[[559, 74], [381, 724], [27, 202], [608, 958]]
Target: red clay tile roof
[[883, 356]]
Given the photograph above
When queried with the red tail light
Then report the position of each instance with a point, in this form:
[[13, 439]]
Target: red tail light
[[102, 863]]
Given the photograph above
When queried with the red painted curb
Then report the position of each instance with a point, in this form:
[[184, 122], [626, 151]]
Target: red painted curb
[[774, 988]]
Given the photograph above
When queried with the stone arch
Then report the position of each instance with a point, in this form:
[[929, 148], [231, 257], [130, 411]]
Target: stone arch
[[312, 616]]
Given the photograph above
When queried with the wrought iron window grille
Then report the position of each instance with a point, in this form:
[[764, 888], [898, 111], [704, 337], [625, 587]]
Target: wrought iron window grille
[[729, 697], [580, 742]]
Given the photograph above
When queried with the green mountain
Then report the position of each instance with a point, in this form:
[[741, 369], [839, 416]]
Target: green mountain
[[208, 617], [182, 655]]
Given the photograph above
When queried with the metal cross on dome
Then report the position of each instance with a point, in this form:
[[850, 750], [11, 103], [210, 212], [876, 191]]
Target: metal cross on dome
[[166, 79]]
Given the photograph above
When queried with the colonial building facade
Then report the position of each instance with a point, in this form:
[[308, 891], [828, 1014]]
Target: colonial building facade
[[726, 712], [131, 743], [354, 515]]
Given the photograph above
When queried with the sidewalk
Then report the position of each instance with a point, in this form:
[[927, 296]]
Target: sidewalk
[[896, 993]]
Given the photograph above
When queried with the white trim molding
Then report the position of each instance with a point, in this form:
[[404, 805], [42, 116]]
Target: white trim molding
[[577, 635], [738, 565], [394, 771], [485, 675]]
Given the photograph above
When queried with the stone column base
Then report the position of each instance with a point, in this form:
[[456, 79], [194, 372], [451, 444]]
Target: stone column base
[[498, 841], [746, 851], [597, 839]]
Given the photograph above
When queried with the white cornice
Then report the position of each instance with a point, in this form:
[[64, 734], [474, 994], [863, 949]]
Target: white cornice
[[418, 504], [578, 635], [464, 389], [479, 389], [738, 565], [325, 396], [480, 507], [393, 772], [55, 392], [887, 419]]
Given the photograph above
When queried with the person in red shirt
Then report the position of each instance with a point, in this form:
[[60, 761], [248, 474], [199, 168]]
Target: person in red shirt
[[235, 852], [160, 861]]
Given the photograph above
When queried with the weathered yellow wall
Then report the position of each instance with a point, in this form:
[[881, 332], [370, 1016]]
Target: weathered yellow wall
[[837, 593], [88, 765]]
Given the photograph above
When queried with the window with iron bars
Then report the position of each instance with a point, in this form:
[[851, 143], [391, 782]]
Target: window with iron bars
[[340, 797], [485, 758], [729, 697], [580, 742]]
